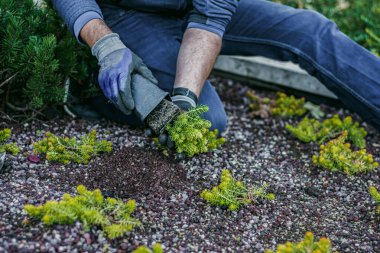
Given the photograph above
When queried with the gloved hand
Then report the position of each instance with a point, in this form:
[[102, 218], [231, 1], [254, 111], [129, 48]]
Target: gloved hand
[[117, 64]]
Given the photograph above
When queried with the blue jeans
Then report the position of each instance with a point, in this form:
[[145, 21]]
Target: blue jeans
[[261, 28]]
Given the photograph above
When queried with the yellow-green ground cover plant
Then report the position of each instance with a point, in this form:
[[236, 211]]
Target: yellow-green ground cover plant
[[91, 209], [288, 106], [282, 106], [336, 155], [64, 149], [191, 134], [11, 148], [156, 248], [307, 245], [376, 197], [312, 130], [234, 194]]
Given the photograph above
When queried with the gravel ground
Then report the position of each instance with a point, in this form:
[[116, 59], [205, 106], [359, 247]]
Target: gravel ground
[[167, 192]]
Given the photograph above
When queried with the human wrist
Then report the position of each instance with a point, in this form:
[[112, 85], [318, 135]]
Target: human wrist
[[184, 98], [106, 45]]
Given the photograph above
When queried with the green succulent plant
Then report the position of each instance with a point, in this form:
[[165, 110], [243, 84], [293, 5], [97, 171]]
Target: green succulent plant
[[91, 209], [156, 248], [191, 134], [376, 197], [288, 106], [234, 194], [11, 148], [337, 155], [65, 149], [307, 245], [312, 130]]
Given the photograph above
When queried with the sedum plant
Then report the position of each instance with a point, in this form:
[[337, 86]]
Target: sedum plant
[[312, 130], [91, 209], [234, 194], [65, 149], [288, 106], [191, 134], [156, 248], [308, 245], [12, 148], [336, 155], [376, 197]]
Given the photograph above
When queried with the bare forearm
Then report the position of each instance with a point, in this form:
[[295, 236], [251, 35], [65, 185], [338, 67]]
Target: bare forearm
[[93, 31], [199, 50]]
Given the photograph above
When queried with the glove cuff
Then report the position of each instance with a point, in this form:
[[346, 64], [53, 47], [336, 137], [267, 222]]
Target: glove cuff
[[107, 45], [184, 95]]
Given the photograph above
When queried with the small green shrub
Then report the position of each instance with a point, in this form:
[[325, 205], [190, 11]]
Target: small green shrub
[[91, 209], [288, 106], [336, 155], [156, 248], [234, 194], [376, 197], [308, 245], [37, 56], [312, 130], [12, 148], [65, 149], [191, 134]]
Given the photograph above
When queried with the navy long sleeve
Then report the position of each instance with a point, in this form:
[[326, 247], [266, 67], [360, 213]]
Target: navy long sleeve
[[76, 13], [212, 15]]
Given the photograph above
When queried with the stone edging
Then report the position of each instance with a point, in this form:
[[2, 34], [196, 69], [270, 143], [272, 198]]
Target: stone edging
[[285, 74]]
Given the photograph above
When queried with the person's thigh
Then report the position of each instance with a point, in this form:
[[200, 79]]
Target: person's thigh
[[306, 37], [156, 39]]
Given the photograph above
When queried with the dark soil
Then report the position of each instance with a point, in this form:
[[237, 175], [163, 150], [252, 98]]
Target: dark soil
[[167, 192], [133, 172]]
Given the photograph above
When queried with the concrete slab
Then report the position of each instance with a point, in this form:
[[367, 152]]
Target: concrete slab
[[285, 74]]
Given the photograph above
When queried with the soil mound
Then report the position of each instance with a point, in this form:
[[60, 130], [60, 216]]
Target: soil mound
[[132, 172]]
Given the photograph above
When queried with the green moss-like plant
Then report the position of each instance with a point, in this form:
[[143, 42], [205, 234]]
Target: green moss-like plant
[[91, 209], [156, 248], [336, 155], [65, 149], [191, 134], [308, 245], [288, 106], [234, 194], [312, 130], [376, 197], [12, 148]]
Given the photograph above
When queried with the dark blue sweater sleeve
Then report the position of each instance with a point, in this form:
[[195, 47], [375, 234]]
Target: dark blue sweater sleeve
[[76, 13], [212, 15]]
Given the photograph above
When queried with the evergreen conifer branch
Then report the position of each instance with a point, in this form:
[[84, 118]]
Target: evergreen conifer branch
[[91, 209]]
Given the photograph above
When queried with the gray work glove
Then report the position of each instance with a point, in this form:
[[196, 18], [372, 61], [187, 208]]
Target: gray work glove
[[117, 65]]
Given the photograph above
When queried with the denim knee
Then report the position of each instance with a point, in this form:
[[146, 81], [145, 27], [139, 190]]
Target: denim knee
[[218, 119]]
